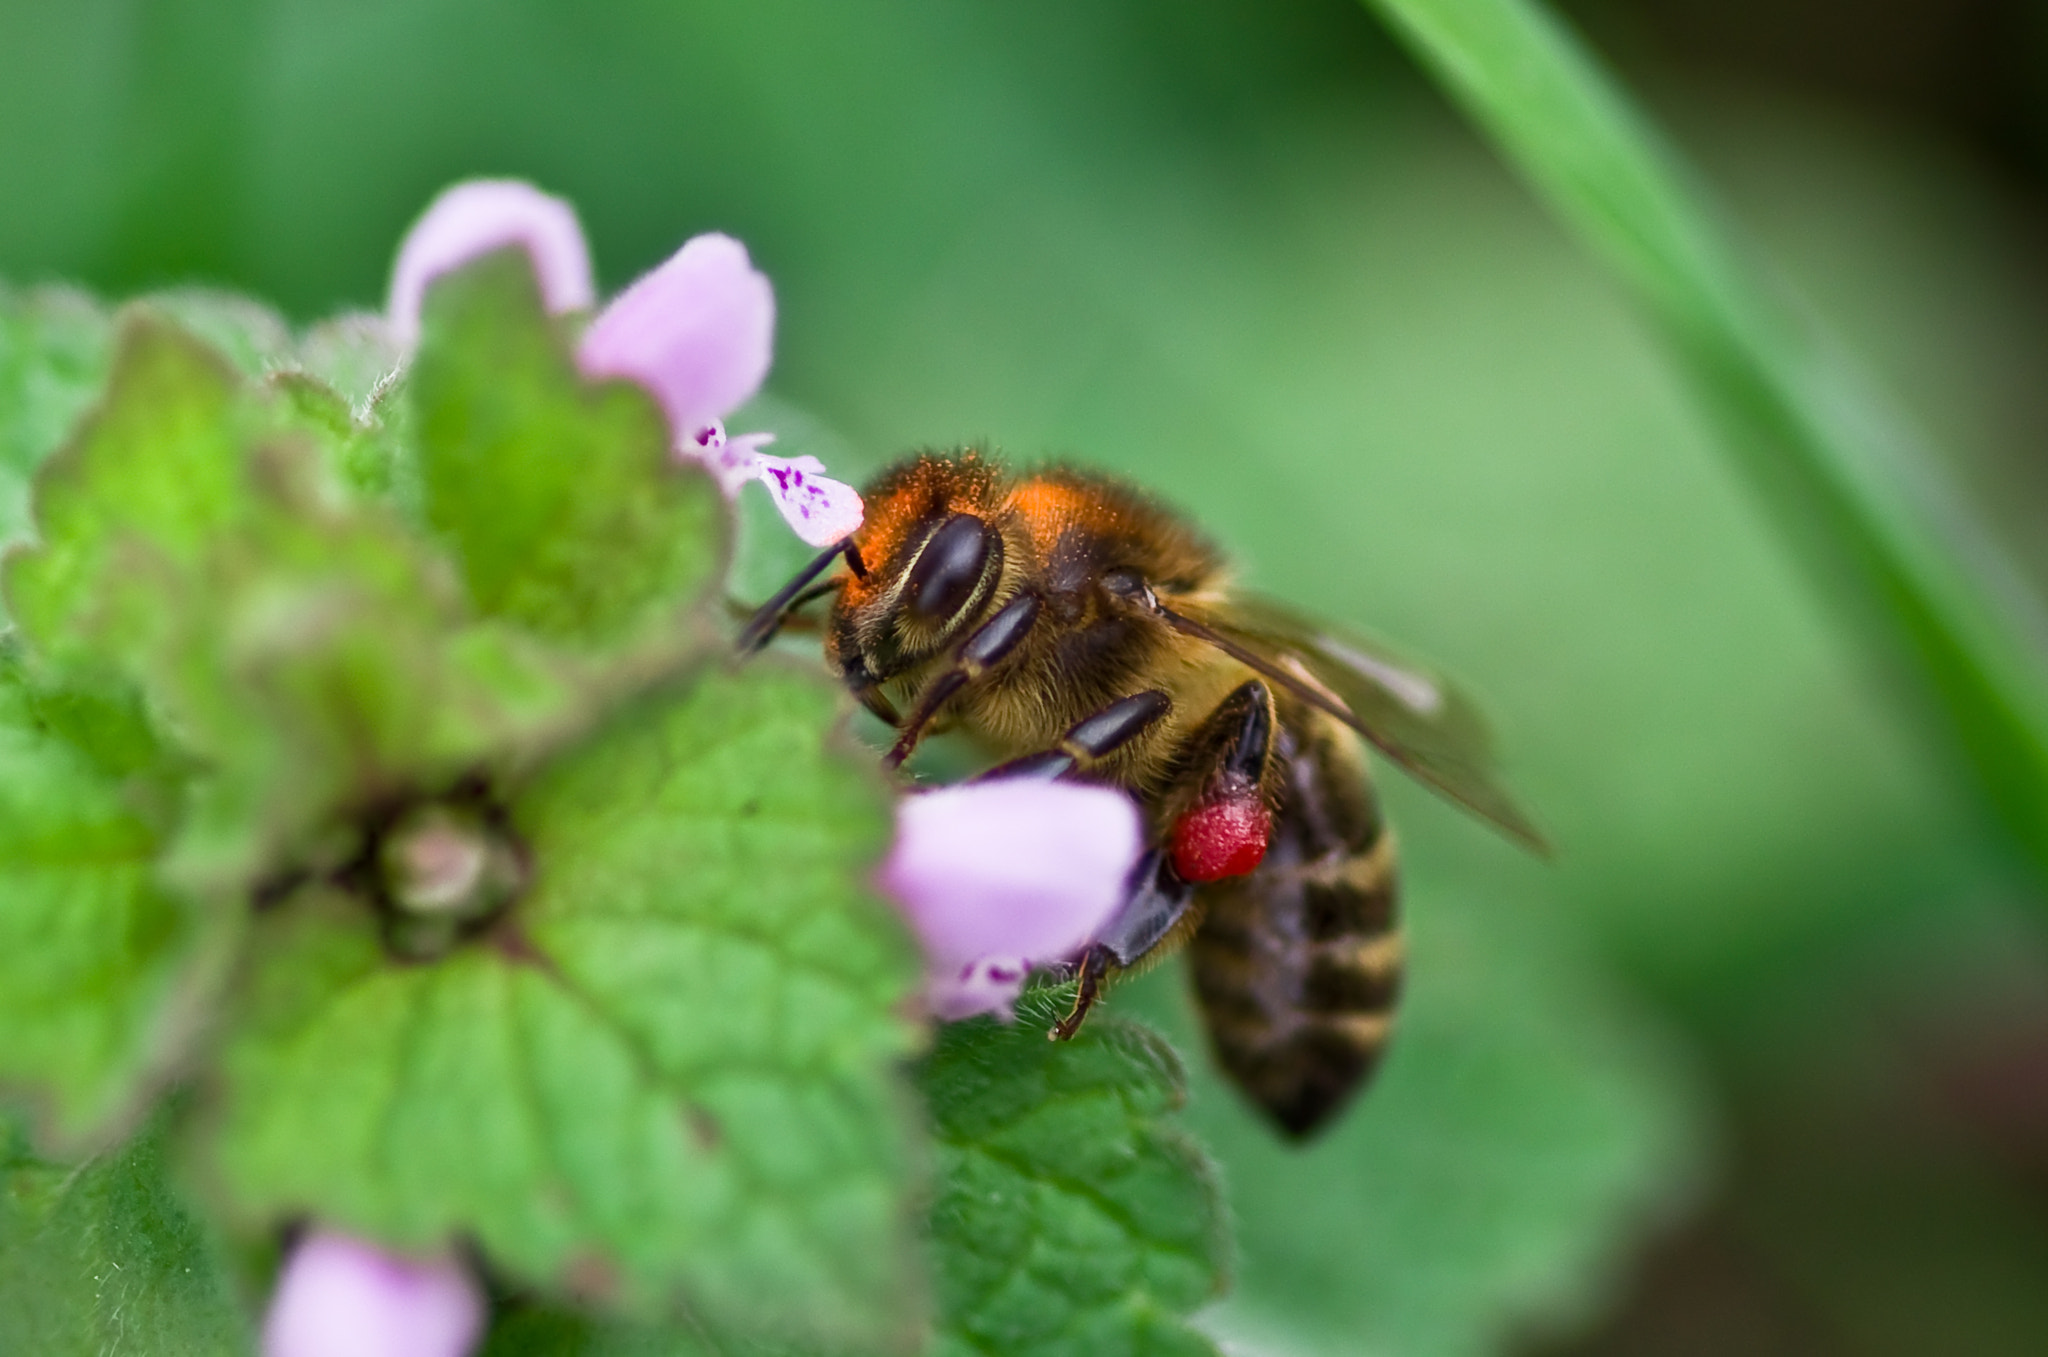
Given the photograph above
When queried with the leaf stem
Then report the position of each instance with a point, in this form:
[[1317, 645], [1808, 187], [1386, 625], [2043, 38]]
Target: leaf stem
[[1866, 507]]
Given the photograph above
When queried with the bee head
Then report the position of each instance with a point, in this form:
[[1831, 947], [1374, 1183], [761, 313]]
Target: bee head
[[933, 553], [918, 602]]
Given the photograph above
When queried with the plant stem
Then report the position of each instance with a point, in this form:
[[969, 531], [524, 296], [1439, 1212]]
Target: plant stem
[[1865, 506]]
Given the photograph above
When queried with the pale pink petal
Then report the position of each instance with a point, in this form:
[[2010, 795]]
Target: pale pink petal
[[339, 1297], [997, 876], [698, 332], [819, 509], [473, 218]]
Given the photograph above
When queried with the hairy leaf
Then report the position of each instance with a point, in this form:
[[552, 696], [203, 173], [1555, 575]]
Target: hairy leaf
[[249, 334], [148, 485], [566, 510], [1070, 1216], [312, 652], [669, 1072], [103, 1259], [102, 970]]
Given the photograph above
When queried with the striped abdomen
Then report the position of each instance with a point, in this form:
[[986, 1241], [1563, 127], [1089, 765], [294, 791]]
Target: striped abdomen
[[1297, 967]]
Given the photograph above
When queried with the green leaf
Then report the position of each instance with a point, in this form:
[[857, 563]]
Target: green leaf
[[566, 509], [1869, 508], [154, 477], [54, 347], [1069, 1213], [103, 973], [542, 1332], [104, 1258], [669, 1072], [1070, 1216], [353, 354], [249, 334], [306, 647]]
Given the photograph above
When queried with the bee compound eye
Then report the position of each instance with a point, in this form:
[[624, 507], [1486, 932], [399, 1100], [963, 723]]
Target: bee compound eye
[[949, 568]]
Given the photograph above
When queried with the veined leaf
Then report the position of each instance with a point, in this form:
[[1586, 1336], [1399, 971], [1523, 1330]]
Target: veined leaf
[[1071, 1216], [671, 1070]]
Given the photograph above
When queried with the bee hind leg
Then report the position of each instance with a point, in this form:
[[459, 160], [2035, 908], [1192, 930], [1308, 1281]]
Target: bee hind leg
[[1211, 835], [1157, 902]]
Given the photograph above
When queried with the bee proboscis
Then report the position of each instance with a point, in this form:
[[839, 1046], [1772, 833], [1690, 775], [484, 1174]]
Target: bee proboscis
[[1079, 629]]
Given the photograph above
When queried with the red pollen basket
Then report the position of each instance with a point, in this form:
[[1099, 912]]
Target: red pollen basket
[[1220, 838]]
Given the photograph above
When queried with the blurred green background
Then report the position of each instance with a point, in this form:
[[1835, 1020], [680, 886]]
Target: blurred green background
[[1760, 1064]]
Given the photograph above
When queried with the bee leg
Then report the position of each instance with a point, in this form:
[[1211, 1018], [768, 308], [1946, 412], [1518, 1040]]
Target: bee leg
[[769, 617], [1157, 901], [790, 618], [991, 643], [1091, 740], [1220, 829], [1236, 740], [1218, 818], [1095, 964]]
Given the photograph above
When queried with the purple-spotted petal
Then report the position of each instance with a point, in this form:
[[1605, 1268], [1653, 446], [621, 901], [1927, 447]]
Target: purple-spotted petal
[[732, 460], [990, 985], [698, 332], [996, 876], [472, 219], [819, 509], [339, 1297]]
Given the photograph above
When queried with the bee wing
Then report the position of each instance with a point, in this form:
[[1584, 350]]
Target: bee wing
[[1411, 713]]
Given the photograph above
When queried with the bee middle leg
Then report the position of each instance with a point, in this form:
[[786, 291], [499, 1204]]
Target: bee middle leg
[[1229, 752], [1091, 740]]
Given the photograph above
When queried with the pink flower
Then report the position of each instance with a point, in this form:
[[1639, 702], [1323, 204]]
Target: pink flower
[[698, 332], [996, 877], [338, 1297], [480, 215]]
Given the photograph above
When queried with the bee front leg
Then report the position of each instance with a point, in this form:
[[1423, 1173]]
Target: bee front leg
[[791, 617], [770, 616], [992, 642]]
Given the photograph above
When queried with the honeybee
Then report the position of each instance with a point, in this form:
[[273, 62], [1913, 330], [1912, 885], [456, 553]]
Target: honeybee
[[1081, 630]]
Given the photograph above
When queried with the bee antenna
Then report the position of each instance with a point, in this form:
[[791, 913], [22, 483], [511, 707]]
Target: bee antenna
[[767, 619]]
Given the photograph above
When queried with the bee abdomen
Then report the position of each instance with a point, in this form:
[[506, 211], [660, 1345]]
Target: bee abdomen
[[1298, 970]]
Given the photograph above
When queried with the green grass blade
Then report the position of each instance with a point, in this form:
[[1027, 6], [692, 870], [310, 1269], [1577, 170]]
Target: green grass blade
[[1864, 505]]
